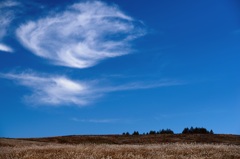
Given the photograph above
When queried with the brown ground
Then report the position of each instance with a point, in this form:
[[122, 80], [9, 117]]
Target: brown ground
[[144, 139], [123, 147]]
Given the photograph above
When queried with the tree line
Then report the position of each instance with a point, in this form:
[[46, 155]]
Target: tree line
[[187, 130]]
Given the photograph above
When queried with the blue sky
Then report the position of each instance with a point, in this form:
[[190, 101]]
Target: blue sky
[[107, 67]]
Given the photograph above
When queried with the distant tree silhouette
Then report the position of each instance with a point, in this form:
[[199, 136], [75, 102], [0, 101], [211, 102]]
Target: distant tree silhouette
[[185, 131], [196, 131], [135, 133], [152, 132], [127, 133], [167, 131], [211, 132]]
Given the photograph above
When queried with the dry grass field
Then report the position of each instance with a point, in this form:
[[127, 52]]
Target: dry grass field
[[27, 149]]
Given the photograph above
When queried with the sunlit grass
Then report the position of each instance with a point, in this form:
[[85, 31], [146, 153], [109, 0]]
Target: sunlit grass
[[109, 151]]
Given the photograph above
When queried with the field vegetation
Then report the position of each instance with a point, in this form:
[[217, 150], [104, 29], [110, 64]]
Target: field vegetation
[[159, 146]]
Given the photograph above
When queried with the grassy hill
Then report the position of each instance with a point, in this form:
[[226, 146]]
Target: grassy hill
[[159, 146], [142, 139]]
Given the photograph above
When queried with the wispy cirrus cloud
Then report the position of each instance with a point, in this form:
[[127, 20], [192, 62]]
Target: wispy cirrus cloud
[[59, 90], [105, 120], [53, 90], [95, 120], [142, 85], [82, 35], [7, 14]]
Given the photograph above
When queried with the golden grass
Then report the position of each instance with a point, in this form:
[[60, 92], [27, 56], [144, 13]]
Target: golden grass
[[38, 150]]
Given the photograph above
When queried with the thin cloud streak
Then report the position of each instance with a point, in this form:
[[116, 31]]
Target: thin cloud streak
[[94, 120], [106, 120], [61, 90], [142, 85], [82, 35], [53, 90]]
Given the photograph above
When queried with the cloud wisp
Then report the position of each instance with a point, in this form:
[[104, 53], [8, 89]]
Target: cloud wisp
[[82, 35], [95, 120], [53, 90], [5, 48], [141, 85], [60, 90], [8, 3], [6, 17]]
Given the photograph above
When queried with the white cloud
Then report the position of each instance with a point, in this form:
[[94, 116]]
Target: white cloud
[[5, 48], [53, 90], [82, 35], [6, 16], [60, 90]]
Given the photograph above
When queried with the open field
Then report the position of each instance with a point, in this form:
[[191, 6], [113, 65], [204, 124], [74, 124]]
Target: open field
[[51, 148], [143, 139]]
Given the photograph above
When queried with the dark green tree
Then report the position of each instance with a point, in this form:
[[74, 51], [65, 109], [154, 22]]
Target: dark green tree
[[152, 132], [135, 133], [185, 131], [211, 132], [167, 131], [196, 131]]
